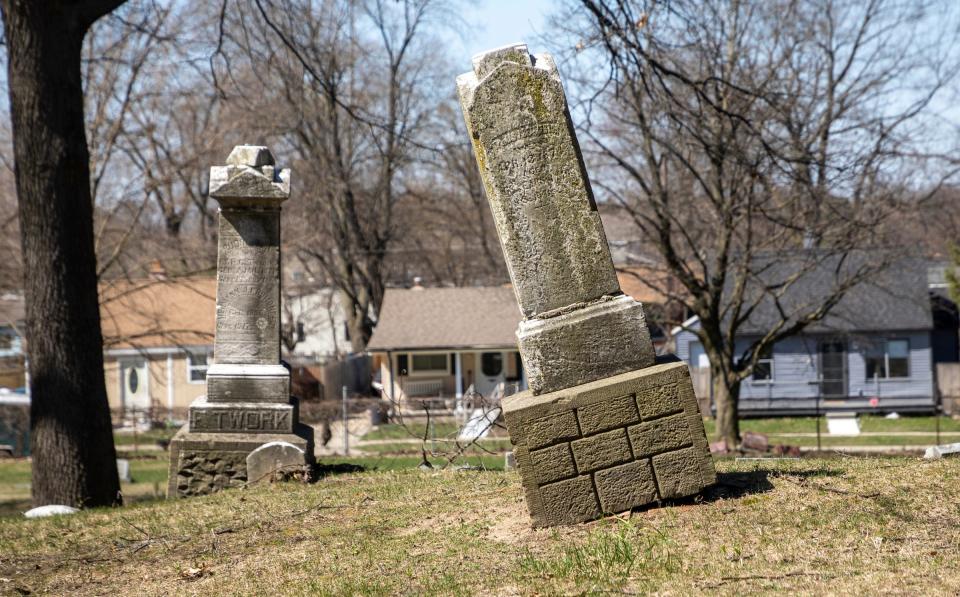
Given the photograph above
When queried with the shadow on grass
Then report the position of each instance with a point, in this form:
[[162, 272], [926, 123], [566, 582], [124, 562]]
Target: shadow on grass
[[741, 484], [322, 470]]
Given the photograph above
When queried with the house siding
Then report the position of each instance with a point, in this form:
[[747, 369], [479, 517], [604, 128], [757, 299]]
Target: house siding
[[795, 364], [184, 391]]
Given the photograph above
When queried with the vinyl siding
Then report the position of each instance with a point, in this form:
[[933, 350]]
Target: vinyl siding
[[795, 363]]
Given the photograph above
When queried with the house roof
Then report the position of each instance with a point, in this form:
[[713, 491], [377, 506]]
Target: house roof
[[895, 299], [446, 318], [154, 313]]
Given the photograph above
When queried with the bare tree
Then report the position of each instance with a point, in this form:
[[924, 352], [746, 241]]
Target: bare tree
[[352, 91], [755, 143]]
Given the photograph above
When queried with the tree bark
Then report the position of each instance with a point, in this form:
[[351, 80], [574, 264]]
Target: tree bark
[[726, 394], [74, 460]]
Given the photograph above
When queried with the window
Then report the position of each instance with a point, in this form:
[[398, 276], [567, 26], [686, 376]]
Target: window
[[196, 367], [763, 370], [887, 359], [491, 363], [429, 363], [6, 342]]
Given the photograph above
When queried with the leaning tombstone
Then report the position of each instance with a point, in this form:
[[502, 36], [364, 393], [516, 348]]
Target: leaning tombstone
[[605, 426], [248, 402]]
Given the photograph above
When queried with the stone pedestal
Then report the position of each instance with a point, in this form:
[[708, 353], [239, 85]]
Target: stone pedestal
[[609, 445], [601, 429], [248, 402], [202, 463]]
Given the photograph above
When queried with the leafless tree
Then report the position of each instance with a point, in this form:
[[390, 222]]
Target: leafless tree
[[352, 90], [757, 142]]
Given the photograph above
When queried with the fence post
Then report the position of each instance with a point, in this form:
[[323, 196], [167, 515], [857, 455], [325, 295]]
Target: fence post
[[346, 432]]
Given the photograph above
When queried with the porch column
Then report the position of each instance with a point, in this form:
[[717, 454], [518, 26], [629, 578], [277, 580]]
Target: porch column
[[458, 374], [170, 384]]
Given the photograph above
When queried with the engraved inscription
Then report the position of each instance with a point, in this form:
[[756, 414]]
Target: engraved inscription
[[539, 194], [248, 288], [234, 419]]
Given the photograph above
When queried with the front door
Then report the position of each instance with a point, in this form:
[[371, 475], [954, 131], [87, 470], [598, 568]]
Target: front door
[[491, 373], [134, 393], [833, 369]]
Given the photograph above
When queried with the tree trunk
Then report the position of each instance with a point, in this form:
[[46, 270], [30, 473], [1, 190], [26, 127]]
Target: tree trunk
[[726, 396], [74, 461]]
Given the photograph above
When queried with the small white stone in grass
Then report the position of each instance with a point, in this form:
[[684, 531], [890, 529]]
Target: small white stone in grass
[[51, 510], [937, 452]]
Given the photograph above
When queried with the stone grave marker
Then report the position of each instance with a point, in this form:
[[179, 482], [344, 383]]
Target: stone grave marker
[[605, 426], [248, 400]]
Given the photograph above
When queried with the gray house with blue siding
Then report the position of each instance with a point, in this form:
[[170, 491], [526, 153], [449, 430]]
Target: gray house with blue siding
[[875, 352]]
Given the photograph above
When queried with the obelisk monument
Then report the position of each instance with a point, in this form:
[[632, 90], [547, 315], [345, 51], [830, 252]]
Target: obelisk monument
[[248, 402]]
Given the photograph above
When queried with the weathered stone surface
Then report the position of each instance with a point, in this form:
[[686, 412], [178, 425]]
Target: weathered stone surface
[[553, 463], [248, 401], [569, 501], [250, 179], [683, 472], [605, 338], [578, 326], [535, 180], [623, 487], [660, 435], [242, 417], [202, 463], [541, 431], [626, 463], [611, 414], [272, 458], [248, 287], [255, 156], [601, 451], [586, 348], [243, 383]]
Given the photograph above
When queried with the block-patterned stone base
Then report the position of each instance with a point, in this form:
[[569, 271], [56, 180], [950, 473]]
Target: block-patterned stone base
[[609, 445], [202, 463]]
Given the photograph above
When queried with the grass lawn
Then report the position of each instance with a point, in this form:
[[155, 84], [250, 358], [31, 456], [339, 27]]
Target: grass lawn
[[149, 477], [412, 429], [842, 526], [868, 423], [143, 437]]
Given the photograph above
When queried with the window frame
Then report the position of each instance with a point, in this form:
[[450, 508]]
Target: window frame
[[413, 372], [884, 348], [770, 361], [191, 367]]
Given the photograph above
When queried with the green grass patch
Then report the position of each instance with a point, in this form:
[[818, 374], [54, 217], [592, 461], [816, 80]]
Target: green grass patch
[[413, 429], [149, 437], [868, 423]]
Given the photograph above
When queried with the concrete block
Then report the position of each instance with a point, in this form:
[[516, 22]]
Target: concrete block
[[614, 466], [601, 451], [660, 435], [623, 487], [682, 473], [607, 415], [569, 501], [553, 463]]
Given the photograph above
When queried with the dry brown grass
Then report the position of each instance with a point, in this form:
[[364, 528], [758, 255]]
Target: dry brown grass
[[845, 526]]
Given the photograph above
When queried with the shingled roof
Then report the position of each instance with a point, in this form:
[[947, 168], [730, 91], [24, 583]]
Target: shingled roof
[[446, 318], [895, 299]]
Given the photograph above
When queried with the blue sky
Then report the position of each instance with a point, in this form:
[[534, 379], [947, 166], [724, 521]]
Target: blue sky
[[494, 23]]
